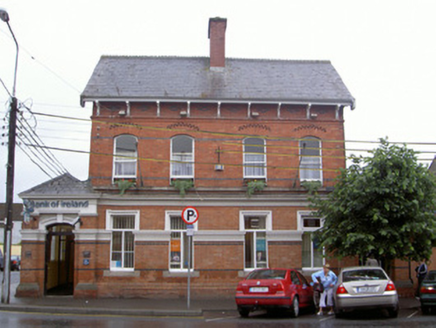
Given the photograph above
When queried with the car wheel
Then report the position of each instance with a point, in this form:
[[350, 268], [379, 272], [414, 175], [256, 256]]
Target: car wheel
[[339, 313], [295, 309], [393, 313], [243, 312], [425, 309]]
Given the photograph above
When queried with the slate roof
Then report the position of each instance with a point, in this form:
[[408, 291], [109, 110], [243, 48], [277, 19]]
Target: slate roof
[[190, 78], [16, 212], [64, 184]]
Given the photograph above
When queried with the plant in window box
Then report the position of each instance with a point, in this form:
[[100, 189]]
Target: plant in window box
[[124, 184], [311, 186], [182, 185], [255, 185]]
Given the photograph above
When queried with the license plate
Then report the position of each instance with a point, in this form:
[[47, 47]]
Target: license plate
[[259, 290], [366, 289]]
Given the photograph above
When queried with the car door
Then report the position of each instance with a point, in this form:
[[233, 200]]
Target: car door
[[296, 283], [306, 290]]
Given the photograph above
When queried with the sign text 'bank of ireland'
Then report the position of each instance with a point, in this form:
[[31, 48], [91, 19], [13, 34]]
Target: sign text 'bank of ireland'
[[59, 204]]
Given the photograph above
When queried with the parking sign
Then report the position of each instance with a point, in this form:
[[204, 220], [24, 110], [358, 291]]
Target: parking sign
[[190, 215]]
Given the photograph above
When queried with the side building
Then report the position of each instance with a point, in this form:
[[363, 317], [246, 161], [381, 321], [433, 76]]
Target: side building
[[235, 138]]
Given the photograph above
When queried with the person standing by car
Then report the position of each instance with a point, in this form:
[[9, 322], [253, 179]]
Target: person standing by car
[[328, 280], [421, 272]]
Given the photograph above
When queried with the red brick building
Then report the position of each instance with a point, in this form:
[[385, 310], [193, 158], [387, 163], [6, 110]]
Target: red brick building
[[242, 135]]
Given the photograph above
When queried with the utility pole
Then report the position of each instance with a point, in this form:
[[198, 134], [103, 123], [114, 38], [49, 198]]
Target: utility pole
[[4, 16], [9, 201]]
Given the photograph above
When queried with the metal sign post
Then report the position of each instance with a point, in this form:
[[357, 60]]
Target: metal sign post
[[190, 216], [189, 233]]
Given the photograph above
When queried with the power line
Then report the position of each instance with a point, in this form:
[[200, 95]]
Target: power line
[[33, 161], [45, 155], [175, 161], [36, 153], [239, 135], [45, 66], [145, 127]]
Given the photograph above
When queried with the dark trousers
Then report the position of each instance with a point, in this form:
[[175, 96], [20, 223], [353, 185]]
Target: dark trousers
[[420, 279]]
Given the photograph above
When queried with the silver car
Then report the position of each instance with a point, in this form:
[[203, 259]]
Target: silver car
[[365, 287]]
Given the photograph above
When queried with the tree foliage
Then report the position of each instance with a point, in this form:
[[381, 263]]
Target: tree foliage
[[382, 205]]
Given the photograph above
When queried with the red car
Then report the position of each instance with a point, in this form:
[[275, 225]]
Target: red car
[[274, 289]]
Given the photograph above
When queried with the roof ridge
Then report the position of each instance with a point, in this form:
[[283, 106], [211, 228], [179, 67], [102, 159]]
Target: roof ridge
[[228, 58]]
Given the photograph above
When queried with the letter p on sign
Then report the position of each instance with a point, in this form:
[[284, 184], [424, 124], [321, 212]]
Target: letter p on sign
[[190, 215]]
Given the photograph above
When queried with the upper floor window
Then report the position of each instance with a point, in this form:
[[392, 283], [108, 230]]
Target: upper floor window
[[310, 159], [125, 157], [254, 158], [182, 157]]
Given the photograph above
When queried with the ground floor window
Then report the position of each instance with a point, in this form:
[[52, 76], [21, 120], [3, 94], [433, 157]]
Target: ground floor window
[[255, 224], [179, 247], [123, 226], [312, 252]]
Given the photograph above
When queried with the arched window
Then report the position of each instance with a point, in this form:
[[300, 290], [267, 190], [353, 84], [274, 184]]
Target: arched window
[[310, 159], [254, 158], [182, 157], [125, 157]]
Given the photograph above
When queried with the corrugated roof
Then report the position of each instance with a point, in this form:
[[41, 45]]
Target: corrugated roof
[[190, 78], [64, 184]]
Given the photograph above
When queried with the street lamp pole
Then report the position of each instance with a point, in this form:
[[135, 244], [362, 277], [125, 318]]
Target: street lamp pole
[[4, 16]]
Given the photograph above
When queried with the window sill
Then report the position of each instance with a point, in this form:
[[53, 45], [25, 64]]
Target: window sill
[[112, 273], [255, 179], [180, 274], [182, 178]]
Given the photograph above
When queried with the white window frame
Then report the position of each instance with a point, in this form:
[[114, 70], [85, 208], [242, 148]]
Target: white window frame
[[268, 227], [177, 161], [249, 164], [301, 216], [303, 159], [109, 226], [168, 215], [121, 159]]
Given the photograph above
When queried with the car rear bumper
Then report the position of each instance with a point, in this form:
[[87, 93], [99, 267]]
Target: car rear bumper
[[263, 301], [353, 302], [428, 299]]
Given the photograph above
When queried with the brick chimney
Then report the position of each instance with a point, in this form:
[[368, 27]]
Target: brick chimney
[[217, 36]]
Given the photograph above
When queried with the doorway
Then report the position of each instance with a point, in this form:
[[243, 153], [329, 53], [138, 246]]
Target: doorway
[[59, 260]]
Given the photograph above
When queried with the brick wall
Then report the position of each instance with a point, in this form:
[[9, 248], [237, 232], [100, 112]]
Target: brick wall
[[212, 134]]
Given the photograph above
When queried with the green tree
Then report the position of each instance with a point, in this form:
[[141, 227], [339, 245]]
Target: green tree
[[383, 205]]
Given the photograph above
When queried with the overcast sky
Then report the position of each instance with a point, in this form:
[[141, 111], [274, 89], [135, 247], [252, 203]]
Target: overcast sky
[[384, 50]]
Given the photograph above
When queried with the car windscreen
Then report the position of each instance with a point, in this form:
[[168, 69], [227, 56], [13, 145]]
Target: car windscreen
[[363, 274], [267, 274]]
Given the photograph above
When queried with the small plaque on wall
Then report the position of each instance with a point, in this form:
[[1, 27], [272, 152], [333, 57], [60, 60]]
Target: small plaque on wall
[[85, 261], [86, 254]]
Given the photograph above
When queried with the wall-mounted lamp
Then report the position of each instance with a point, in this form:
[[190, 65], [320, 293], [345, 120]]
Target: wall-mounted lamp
[[183, 113], [313, 116], [122, 112], [254, 114]]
